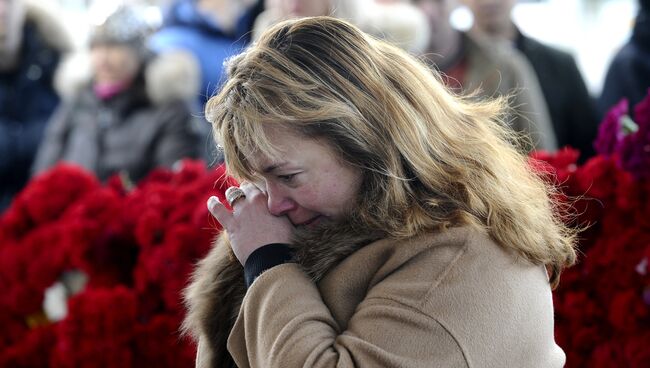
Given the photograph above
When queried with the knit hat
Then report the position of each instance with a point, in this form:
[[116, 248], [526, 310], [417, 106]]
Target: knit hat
[[126, 26]]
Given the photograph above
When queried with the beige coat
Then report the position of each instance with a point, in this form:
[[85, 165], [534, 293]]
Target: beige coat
[[454, 299]]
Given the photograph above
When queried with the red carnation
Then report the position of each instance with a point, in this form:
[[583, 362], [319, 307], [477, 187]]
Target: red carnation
[[160, 345], [32, 350], [636, 351], [44, 204], [628, 312], [607, 355], [99, 330]]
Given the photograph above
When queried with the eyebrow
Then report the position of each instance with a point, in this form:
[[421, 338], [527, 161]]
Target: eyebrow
[[273, 167]]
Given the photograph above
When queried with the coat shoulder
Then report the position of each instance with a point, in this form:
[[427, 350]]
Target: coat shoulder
[[47, 21], [173, 75], [488, 299]]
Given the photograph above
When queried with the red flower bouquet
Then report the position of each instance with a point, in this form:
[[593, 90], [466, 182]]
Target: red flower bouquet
[[135, 245], [603, 303]]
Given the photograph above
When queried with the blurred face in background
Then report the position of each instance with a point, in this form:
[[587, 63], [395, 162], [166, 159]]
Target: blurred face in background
[[226, 12], [302, 8], [12, 16], [114, 63], [491, 16]]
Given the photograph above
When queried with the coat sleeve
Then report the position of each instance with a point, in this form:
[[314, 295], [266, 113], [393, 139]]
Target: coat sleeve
[[52, 147], [283, 322], [178, 138]]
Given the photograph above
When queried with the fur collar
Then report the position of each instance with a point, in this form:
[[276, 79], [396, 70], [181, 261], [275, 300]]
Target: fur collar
[[217, 287], [168, 76], [48, 25]]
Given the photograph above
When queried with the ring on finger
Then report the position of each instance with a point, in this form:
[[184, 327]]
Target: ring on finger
[[233, 194]]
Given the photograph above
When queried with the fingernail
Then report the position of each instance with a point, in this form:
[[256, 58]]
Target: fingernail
[[212, 201]]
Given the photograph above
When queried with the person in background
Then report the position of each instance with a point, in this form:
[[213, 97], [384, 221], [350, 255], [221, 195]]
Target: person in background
[[133, 114], [395, 21], [468, 66], [571, 108], [628, 75], [276, 11], [212, 31], [32, 42], [381, 221]]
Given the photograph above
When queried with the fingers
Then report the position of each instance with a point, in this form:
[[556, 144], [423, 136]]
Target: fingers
[[249, 189], [222, 214], [253, 194], [219, 211]]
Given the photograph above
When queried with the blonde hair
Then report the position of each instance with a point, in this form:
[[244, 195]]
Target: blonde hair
[[430, 160]]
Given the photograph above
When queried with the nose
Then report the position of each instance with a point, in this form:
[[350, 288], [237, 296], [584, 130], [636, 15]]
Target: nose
[[279, 203]]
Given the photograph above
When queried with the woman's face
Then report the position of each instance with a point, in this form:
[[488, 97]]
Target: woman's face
[[114, 63], [308, 184]]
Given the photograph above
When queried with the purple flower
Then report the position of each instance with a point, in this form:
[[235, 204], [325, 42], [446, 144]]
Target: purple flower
[[610, 132], [635, 148]]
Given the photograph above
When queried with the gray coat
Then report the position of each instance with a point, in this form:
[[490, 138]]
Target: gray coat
[[129, 133], [498, 70]]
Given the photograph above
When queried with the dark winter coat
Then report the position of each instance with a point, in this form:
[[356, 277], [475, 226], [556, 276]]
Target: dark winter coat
[[572, 110], [628, 75], [28, 98]]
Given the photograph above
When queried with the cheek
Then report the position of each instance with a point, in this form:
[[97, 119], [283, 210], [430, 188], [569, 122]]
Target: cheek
[[328, 196], [346, 195], [120, 65], [310, 197]]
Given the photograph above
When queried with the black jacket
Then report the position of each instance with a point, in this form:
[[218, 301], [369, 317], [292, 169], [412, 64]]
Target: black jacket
[[629, 73], [27, 99], [572, 110]]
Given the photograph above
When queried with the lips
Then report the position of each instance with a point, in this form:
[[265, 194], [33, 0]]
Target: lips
[[312, 221]]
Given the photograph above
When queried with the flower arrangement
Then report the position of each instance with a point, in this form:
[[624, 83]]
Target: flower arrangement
[[136, 246], [603, 302]]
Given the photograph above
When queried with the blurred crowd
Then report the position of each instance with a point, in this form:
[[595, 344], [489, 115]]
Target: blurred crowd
[[132, 98]]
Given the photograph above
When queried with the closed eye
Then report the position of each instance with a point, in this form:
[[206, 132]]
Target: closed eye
[[287, 178]]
